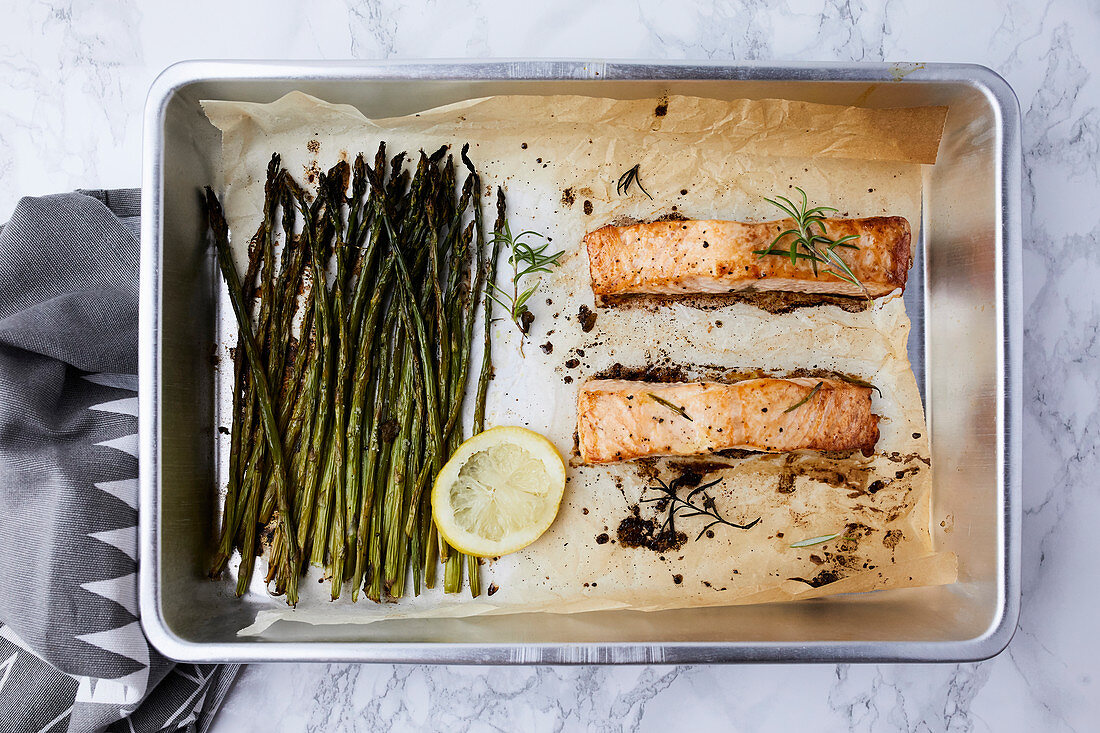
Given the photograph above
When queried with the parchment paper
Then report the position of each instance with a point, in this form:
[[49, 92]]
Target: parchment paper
[[559, 159]]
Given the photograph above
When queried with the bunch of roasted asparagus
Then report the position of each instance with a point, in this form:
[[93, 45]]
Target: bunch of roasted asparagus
[[338, 433]]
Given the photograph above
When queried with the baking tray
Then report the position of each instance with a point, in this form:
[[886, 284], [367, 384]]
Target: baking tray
[[965, 349]]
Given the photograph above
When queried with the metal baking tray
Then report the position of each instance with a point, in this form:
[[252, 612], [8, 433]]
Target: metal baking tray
[[965, 348]]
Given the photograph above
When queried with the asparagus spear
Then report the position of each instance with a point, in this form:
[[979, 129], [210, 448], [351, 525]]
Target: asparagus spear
[[271, 432], [487, 354], [361, 332], [374, 587], [333, 488], [230, 515], [360, 383], [317, 231], [385, 367], [248, 509], [397, 546]]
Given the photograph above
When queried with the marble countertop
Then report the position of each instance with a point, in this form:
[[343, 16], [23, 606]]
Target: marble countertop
[[73, 83]]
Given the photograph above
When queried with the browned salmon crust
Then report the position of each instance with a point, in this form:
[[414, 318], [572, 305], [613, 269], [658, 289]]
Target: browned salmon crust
[[619, 420], [715, 257]]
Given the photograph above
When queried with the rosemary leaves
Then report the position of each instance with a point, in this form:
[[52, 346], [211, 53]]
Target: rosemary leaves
[[816, 540], [804, 400], [685, 507], [525, 260], [807, 244], [665, 403], [631, 176]]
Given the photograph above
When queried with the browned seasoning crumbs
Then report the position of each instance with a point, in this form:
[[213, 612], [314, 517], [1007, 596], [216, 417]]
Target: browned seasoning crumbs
[[525, 320], [523, 145], [223, 430], [892, 538], [823, 578], [584, 510], [634, 531], [587, 318], [677, 579], [662, 108], [493, 588], [683, 192], [649, 373], [314, 146], [572, 363], [568, 198], [567, 379], [312, 172], [587, 207], [603, 538], [547, 348]]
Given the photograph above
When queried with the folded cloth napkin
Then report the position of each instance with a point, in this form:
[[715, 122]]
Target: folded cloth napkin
[[72, 654]]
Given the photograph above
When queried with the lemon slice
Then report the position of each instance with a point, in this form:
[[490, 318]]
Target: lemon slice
[[499, 492]]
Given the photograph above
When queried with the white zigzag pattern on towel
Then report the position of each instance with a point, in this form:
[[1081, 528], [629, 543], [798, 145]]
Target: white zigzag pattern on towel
[[126, 490], [6, 666], [126, 444], [122, 590], [126, 406], [120, 381], [126, 641], [126, 690], [124, 539]]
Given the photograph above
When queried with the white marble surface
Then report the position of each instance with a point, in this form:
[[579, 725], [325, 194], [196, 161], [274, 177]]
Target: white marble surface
[[72, 84]]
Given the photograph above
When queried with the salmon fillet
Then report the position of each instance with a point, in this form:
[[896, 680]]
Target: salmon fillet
[[619, 420], [715, 257]]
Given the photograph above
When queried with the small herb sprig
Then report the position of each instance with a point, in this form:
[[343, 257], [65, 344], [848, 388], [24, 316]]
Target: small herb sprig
[[631, 176], [860, 383], [806, 244], [684, 508], [525, 260], [674, 407], [804, 400], [818, 540]]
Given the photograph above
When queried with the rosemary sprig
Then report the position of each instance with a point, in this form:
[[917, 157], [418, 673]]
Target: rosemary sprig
[[525, 260], [631, 176], [674, 407], [804, 400], [806, 244], [860, 382], [684, 508], [818, 540]]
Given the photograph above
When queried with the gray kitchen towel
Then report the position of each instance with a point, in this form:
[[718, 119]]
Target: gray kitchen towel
[[72, 654]]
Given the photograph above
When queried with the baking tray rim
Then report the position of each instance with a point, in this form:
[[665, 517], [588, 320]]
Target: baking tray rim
[[1008, 244]]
